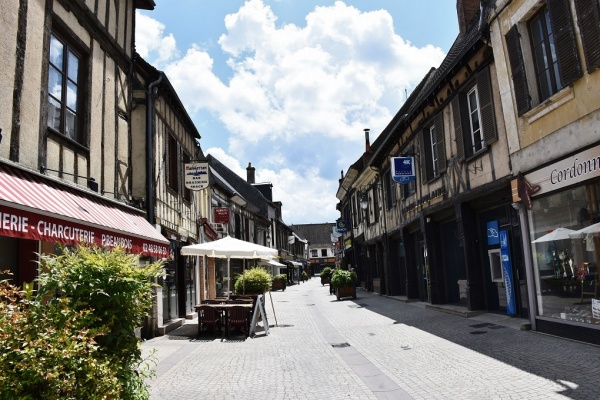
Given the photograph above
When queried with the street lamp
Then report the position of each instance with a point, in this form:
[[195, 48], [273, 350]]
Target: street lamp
[[364, 201]]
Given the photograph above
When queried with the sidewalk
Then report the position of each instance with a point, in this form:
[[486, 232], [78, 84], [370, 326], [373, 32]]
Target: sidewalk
[[373, 347]]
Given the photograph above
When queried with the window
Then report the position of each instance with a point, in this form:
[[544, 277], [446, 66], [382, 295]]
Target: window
[[544, 54], [65, 94], [474, 118], [550, 53], [173, 163], [314, 253], [473, 115], [323, 252], [434, 161]]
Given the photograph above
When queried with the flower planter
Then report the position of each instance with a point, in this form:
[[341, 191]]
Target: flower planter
[[345, 291], [278, 285], [324, 280]]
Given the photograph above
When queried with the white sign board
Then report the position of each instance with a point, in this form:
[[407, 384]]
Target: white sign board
[[196, 176]]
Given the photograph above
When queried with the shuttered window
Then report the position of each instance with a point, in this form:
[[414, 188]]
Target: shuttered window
[[433, 149], [588, 19], [474, 119], [553, 48], [172, 163]]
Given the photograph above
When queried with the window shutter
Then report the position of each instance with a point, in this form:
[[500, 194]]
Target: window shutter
[[588, 19], [458, 131], [440, 146], [517, 67], [564, 39], [422, 156], [486, 103]]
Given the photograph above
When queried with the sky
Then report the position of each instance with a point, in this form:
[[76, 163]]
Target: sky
[[290, 85]]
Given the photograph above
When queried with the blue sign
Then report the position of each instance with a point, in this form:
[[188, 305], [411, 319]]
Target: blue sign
[[493, 237], [403, 169], [511, 308], [341, 226]]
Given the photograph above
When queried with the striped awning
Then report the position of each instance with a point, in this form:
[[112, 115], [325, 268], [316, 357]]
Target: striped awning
[[35, 207]]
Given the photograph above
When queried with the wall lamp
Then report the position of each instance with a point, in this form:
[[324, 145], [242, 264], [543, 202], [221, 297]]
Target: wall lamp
[[364, 201]]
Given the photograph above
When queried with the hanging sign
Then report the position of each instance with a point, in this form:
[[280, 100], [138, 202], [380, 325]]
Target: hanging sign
[[507, 270], [221, 215], [196, 175], [403, 169], [341, 226]]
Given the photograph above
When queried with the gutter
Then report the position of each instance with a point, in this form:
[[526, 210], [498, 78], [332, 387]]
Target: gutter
[[150, 149]]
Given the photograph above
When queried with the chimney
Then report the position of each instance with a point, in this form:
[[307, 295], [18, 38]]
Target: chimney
[[367, 144], [466, 10], [250, 170]]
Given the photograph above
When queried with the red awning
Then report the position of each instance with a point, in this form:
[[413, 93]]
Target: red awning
[[35, 207]]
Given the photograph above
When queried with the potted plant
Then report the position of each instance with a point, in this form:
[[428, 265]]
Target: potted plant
[[304, 276], [279, 282], [344, 283], [253, 281], [325, 275]]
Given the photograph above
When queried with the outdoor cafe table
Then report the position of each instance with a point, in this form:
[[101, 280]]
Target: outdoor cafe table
[[224, 308]]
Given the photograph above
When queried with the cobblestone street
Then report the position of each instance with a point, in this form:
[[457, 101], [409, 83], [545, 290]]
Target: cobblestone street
[[372, 347]]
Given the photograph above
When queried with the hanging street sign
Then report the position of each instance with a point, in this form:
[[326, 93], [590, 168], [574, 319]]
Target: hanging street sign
[[196, 175], [403, 169]]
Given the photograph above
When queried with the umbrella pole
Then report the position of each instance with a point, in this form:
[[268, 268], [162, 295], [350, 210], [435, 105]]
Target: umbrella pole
[[228, 278]]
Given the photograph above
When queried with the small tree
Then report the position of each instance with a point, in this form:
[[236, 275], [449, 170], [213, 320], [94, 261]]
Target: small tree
[[253, 280]]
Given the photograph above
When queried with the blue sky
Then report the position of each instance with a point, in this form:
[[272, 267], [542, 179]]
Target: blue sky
[[289, 85]]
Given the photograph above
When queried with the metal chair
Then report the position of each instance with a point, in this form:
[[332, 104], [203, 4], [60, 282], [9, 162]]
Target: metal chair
[[238, 316], [209, 315]]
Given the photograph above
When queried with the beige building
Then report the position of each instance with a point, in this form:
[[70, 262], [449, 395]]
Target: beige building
[[548, 54], [66, 140]]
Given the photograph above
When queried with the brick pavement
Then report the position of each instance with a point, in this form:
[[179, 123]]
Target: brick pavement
[[371, 348]]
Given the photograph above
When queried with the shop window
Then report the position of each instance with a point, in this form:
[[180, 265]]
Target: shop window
[[473, 115], [545, 47], [495, 265], [65, 88], [566, 259]]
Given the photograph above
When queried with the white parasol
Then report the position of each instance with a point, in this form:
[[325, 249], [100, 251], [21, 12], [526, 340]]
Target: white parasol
[[557, 234]]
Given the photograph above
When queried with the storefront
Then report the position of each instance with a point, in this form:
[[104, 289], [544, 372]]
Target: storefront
[[564, 235], [37, 213]]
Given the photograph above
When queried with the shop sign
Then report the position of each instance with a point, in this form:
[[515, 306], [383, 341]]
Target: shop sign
[[341, 226], [27, 225], [492, 233], [507, 270], [221, 215], [578, 168], [403, 169], [196, 175]]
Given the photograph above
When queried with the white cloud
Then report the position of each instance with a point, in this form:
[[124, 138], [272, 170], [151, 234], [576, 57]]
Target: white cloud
[[298, 97]]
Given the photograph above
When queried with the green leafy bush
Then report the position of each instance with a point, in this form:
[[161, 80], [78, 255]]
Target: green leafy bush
[[75, 339], [280, 278], [253, 280], [325, 272], [342, 277], [304, 276]]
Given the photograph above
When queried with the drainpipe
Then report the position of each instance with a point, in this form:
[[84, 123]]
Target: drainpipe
[[150, 149], [529, 275]]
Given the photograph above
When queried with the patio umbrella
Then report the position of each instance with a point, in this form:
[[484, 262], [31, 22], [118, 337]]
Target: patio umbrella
[[228, 248], [593, 229], [557, 234]]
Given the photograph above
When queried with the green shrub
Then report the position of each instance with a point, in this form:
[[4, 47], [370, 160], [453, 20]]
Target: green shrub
[[253, 280], [118, 292], [280, 278], [342, 277], [325, 272], [304, 276], [49, 352]]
